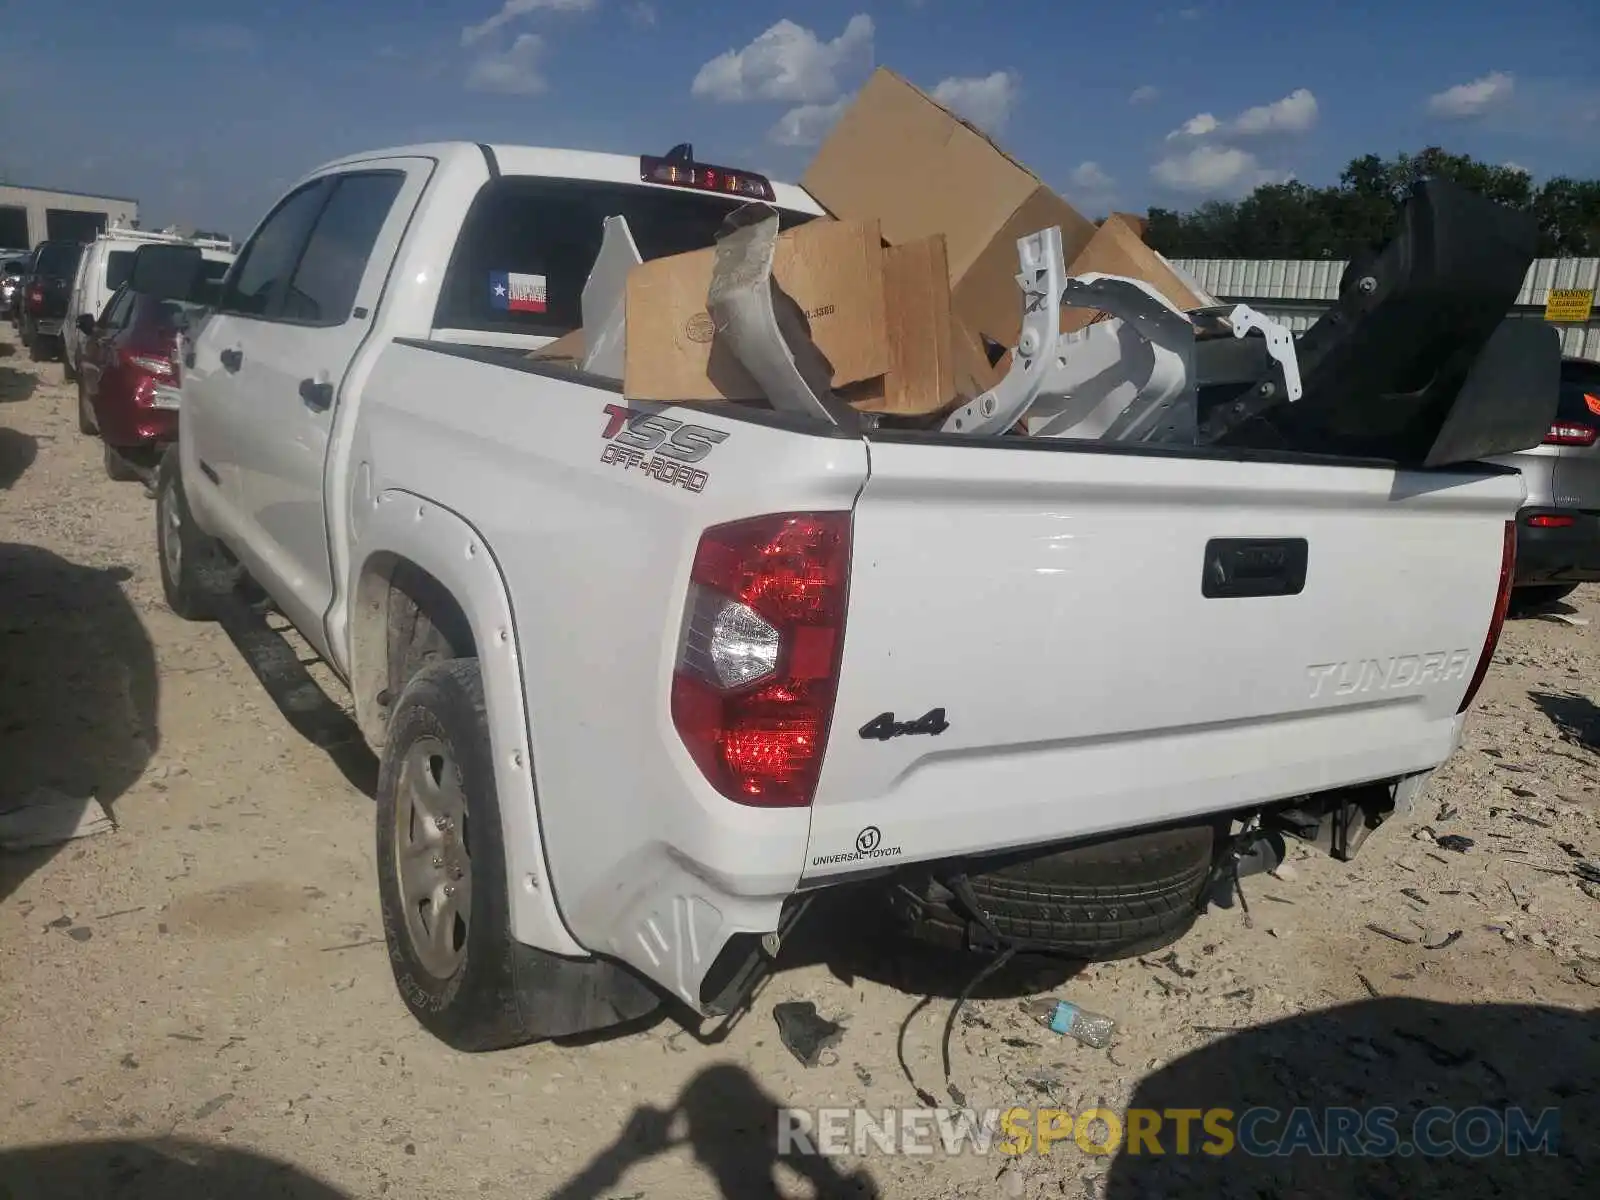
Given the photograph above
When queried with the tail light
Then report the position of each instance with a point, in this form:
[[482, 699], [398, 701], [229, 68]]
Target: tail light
[[758, 656], [1497, 620], [151, 363], [1551, 521], [1570, 433], [677, 168], [36, 297]]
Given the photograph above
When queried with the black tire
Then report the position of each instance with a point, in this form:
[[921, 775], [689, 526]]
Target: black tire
[[1534, 596], [86, 421], [198, 575], [118, 468], [473, 1007], [39, 348], [1099, 901]]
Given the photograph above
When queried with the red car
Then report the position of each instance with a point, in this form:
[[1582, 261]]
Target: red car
[[128, 384]]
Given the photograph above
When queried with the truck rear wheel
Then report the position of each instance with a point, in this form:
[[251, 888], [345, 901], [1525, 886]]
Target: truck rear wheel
[[1098, 901], [441, 863]]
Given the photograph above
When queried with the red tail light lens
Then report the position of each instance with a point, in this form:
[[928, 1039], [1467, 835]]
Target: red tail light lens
[[1551, 521], [758, 657], [36, 297], [1497, 620], [1570, 433]]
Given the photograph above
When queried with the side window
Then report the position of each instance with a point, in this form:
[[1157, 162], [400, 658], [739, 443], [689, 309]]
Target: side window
[[269, 257], [118, 309], [324, 285]]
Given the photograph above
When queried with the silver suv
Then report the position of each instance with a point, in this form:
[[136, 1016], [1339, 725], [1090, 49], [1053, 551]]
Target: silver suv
[[1558, 527]]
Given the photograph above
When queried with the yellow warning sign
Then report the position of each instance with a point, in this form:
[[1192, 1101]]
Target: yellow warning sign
[[1569, 305]]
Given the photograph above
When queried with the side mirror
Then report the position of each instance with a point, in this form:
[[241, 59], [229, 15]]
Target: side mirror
[[166, 272], [86, 324]]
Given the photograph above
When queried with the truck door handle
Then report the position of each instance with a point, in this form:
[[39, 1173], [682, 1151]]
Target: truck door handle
[[1238, 567], [316, 395], [232, 360]]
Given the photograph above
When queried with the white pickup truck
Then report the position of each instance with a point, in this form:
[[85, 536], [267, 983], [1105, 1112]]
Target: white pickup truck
[[643, 678]]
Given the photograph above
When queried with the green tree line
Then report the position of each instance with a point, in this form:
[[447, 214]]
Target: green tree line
[[1295, 220]]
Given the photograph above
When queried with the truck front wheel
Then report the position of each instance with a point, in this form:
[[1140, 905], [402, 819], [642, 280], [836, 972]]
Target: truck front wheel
[[441, 863], [194, 572]]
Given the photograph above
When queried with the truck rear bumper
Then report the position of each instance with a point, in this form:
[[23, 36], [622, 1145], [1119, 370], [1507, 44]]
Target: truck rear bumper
[[1558, 553]]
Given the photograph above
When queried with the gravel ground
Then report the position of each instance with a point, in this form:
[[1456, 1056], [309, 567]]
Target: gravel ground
[[197, 1002]]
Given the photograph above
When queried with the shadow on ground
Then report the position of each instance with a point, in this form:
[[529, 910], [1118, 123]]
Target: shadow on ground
[[160, 1169], [79, 694], [17, 452], [1576, 717], [286, 678], [731, 1125], [1449, 1072], [16, 386]]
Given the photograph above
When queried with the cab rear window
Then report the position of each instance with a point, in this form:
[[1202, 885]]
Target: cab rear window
[[528, 245], [1580, 392]]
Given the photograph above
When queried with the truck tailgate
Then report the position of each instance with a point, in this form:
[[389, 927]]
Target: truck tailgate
[[1083, 620]]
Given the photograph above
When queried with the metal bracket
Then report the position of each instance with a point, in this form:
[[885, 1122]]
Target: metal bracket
[[766, 331], [1280, 342]]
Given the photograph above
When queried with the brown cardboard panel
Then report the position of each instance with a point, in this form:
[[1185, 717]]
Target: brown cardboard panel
[[916, 290], [566, 348], [898, 156], [988, 298], [832, 269], [1138, 224], [1116, 250]]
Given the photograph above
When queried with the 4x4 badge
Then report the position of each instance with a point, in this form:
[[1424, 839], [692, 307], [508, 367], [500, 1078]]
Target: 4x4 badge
[[883, 726]]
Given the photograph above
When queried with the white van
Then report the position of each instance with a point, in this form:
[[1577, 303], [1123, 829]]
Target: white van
[[105, 267]]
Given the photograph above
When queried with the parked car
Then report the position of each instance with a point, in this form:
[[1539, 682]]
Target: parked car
[[643, 678], [12, 266], [1558, 527], [127, 384], [105, 267], [44, 292]]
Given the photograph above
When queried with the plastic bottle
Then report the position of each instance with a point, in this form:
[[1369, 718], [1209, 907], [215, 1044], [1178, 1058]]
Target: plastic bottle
[[1064, 1017]]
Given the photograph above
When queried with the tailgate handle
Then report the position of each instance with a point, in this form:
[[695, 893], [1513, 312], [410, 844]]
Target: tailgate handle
[[1237, 567]]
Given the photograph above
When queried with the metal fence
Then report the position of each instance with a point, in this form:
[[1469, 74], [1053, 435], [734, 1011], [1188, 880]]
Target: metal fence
[[1297, 292]]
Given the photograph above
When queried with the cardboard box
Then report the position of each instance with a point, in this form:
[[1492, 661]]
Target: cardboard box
[[1116, 249], [834, 270], [900, 158], [921, 377]]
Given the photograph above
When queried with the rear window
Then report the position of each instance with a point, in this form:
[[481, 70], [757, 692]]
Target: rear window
[[119, 269], [528, 245], [1580, 392], [58, 258]]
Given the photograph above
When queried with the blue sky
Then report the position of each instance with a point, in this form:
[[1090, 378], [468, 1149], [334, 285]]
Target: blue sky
[[204, 113]]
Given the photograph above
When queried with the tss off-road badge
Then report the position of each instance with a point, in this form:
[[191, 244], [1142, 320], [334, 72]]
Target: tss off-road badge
[[662, 447]]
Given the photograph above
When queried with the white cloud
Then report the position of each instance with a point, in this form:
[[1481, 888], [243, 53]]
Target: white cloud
[[1090, 186], [513, 71], [985, 100], [787, 62], [512, 9], [808, 124], [1145, 94], [1472, 99], [1295, 113], [1196, 126], [1517, 167], [642, 14], [1212, 170]]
